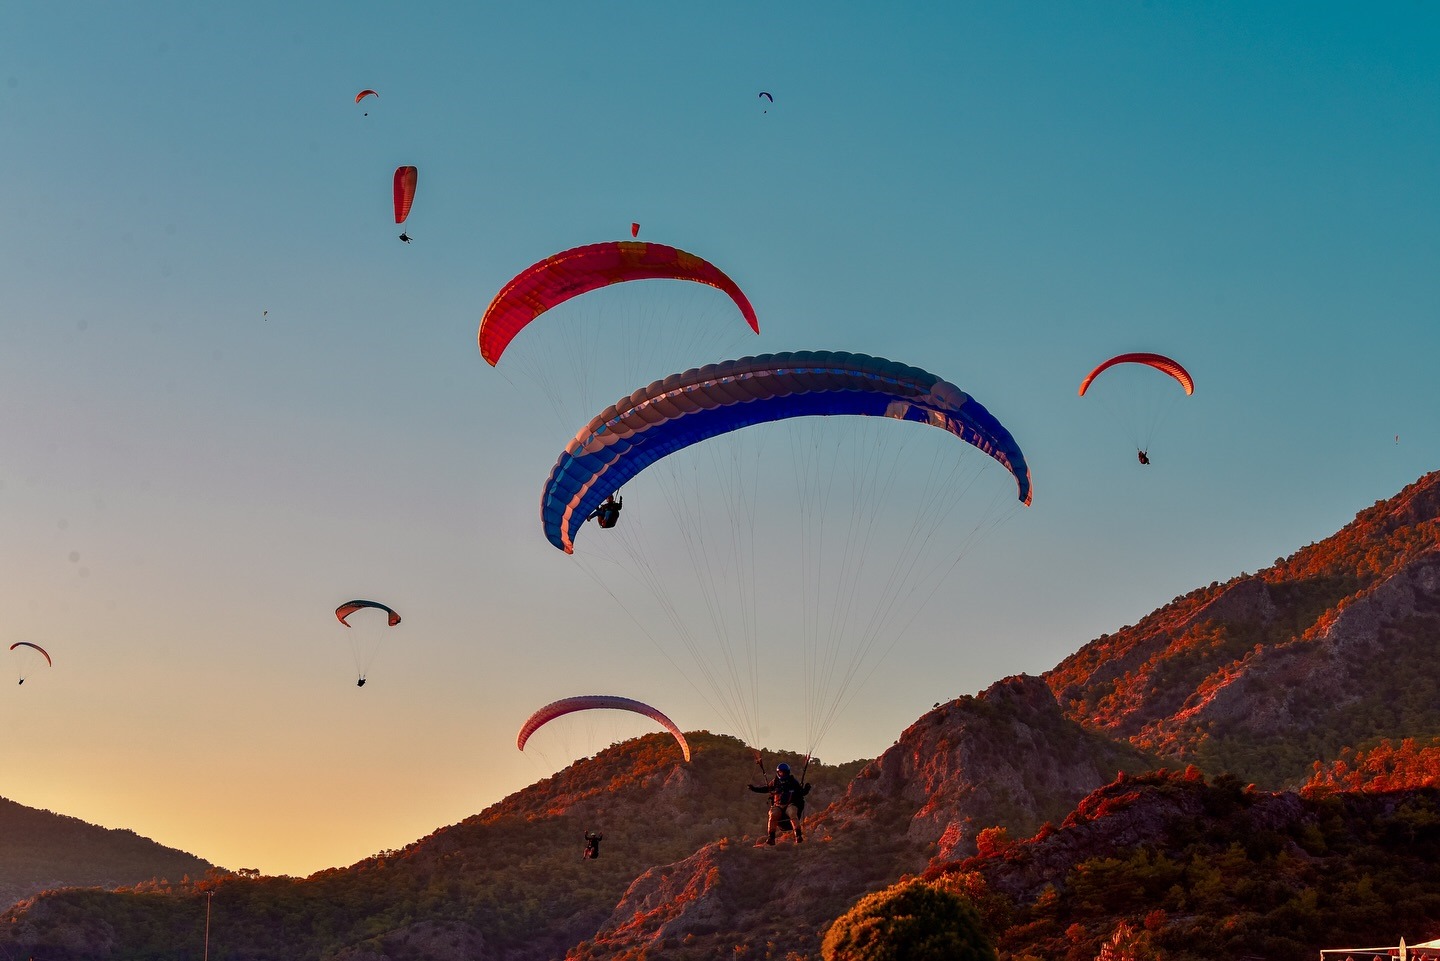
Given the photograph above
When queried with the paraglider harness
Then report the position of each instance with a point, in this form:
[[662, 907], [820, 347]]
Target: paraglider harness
[[608, 513], [1144, 457], [592, 846]]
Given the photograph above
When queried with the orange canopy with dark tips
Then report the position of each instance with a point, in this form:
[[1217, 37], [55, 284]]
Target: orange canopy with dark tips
[[1158, 361], [350, 607]]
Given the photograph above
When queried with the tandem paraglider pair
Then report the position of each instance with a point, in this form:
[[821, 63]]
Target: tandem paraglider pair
[[787, 804]]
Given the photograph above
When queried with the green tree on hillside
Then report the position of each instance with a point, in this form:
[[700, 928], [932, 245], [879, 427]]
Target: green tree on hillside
[[909, 921]]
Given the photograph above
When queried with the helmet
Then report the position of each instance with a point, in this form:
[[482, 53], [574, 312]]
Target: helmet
[[783, 768]]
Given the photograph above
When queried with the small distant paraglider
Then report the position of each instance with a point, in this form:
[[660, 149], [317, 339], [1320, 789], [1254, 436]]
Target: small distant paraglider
[[363, 94], [405, 178], [366, 640], [1141, 433], [27, 658], [766, 94], [634, 230]]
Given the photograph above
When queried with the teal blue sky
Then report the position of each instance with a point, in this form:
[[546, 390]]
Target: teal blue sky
[[1004, 194]]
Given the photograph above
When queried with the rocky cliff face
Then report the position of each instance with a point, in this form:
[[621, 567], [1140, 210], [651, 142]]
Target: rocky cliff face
[[1272, 671], [1008, 757], [1196, 869]]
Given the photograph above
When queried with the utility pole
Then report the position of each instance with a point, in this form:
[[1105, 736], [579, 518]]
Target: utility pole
[[209, 896]]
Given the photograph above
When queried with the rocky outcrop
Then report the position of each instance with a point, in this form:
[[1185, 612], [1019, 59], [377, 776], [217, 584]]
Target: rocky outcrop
[[1274, 690], [1272, 671], [1008, 757]]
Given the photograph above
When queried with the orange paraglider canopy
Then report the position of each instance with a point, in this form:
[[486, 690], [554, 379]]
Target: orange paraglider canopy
[[350, 607], [1158, 361], [365, 93], [404, 192]]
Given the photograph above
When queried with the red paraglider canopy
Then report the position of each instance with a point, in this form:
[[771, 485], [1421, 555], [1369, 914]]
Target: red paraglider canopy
[[1159, 361], [350, 607], [404, 192], [591, 702], [365, 93], [37, 647], [580, 270]]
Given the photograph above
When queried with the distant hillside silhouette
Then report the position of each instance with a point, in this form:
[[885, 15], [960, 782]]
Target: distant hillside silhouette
[[40, 850]]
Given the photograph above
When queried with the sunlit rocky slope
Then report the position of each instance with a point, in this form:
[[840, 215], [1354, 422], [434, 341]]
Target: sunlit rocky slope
[[1332, 647], [1008, 756], [1040, 798]]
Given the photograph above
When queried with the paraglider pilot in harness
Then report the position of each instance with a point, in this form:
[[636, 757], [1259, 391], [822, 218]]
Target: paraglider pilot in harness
[[787, 803], [1144, 456], [592, 845], [608, 513]]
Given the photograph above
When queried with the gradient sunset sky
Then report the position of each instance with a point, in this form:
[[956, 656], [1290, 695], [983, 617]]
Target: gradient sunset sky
[[1004, 194]]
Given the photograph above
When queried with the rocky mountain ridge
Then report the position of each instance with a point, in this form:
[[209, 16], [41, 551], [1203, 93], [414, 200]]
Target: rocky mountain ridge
[[1270, 672], [1005, 757], [1041, 799]]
